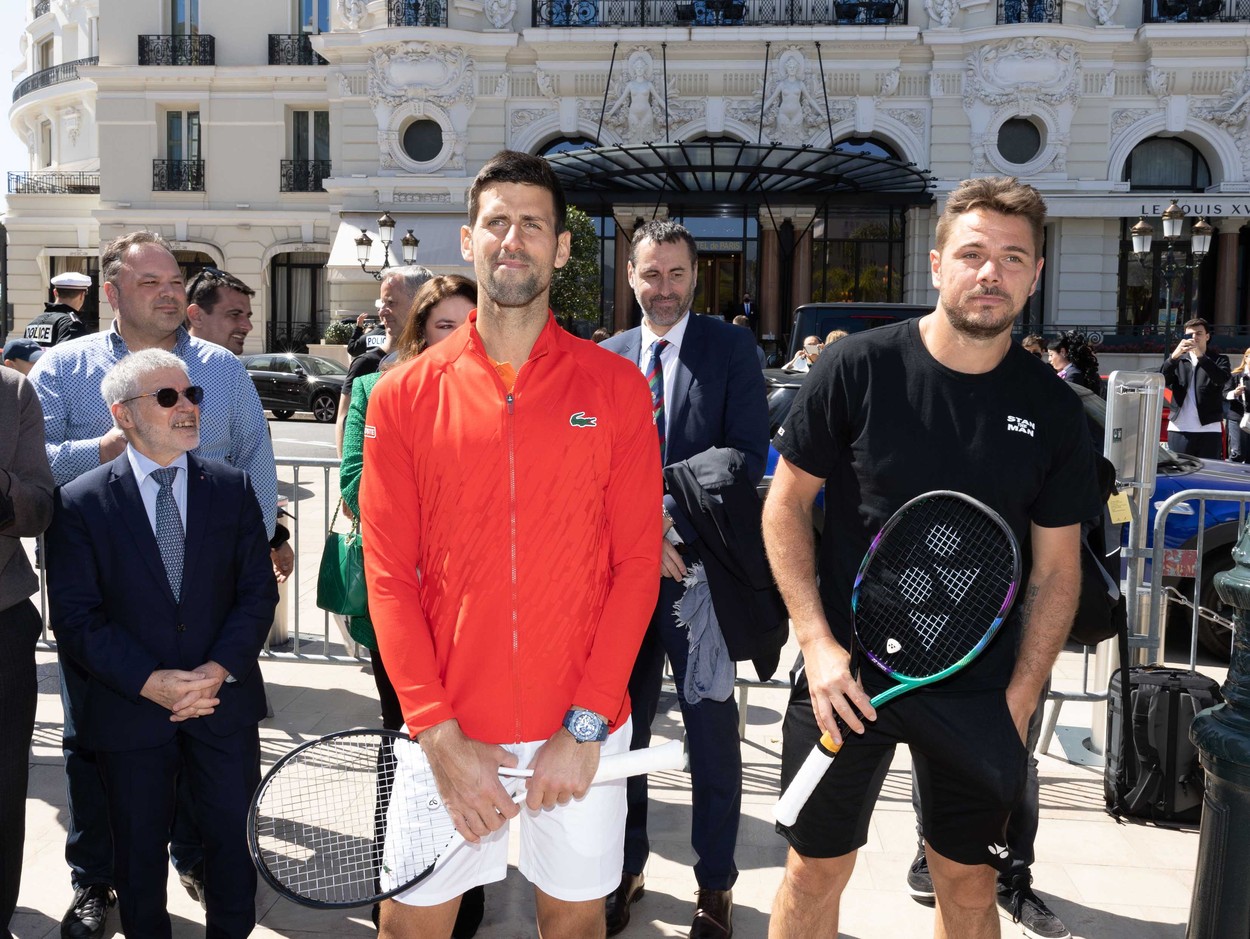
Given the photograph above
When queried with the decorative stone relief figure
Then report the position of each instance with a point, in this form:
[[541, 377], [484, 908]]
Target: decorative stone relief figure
[[352, 11], [1157, 81], [790, 105], [1108, 84], [889, 83], [499, 13], [642, 101], [941, 12], [546, 84], [1102, 11]]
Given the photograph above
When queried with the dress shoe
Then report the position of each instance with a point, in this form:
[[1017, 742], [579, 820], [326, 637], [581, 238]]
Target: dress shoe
[[193, 882], [619, 900], [469, 917], [86, 916], [713, 915]]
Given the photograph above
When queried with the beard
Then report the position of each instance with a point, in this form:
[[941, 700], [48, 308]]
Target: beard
[[665, 318], [979, 325], [519, 289]]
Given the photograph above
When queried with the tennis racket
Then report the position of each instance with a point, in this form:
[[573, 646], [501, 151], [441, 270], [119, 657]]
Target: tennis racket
[[933, 589], [354, 817]]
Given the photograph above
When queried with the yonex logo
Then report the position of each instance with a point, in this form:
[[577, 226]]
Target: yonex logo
[[998, 850], [1020, 425], [892, 646], [581, 420]]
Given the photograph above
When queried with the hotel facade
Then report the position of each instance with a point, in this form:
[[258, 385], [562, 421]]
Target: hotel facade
[[808, 144]]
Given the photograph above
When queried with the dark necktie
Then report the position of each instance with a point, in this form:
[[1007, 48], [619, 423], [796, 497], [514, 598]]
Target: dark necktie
[[169, 528], [655, 378]]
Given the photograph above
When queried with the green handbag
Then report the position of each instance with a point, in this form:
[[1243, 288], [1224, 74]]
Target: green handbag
[[341, 579]]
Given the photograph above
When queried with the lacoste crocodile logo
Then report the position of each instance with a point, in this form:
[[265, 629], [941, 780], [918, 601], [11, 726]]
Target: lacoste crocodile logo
[[581, 420]]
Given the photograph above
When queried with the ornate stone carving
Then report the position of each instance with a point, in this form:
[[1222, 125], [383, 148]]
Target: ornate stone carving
[[523, 117], [941, 12], [422, 198], [935, 85], [501, 86], [1102, 11], [1122, 119], [889, 83], [499, 13], [1108, 84], [71, 120], [636, 111], [1157, 82], [435, 72], [352, 12], [546, 84], [791, 112], [1233, 107], [1022, 71]]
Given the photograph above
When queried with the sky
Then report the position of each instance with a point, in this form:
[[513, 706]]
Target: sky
[[13, 20]]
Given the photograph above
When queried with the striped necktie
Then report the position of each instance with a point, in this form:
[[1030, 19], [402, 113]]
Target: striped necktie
[[169, 528], [655, 378]]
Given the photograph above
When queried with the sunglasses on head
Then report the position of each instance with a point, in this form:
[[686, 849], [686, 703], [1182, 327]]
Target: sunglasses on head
[[168, 397], [205, 273]]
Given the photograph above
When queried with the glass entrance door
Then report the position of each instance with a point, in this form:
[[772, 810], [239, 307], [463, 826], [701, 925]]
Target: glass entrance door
[[720, 284]]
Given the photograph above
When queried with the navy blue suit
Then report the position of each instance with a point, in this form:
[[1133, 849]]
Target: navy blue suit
[[115, 616], [718, 400]]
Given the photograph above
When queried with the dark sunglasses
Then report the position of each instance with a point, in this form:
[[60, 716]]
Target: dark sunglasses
[[205, 273], [168, 397]]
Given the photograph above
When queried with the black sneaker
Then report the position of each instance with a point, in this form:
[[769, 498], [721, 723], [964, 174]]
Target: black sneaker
[[193, 883], [1026, 908], [86, 916], [919, 883]]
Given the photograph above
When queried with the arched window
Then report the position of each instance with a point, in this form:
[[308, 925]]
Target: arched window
[[867, 145], [1166, 164], [565, 144]]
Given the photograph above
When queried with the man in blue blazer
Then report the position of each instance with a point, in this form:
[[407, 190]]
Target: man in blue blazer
[[167, 626], [707, 391]]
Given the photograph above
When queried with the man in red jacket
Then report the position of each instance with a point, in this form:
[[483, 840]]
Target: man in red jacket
[[509, 494]]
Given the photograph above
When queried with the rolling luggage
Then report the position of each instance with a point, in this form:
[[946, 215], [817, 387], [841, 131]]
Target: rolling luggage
[[1153, 771]]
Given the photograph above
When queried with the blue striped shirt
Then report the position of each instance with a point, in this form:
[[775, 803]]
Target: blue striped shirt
[[232, 424]]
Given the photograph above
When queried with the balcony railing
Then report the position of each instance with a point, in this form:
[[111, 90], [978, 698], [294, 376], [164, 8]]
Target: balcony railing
[[65, 72], [559, 13], [1196, 11], [177, 175], [416, 13], [177, 50], [42, 7], [292, 49], [304, 175], [1030, 11], [54, 183]]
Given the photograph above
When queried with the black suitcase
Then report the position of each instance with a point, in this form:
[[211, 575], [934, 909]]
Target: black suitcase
[[1155, 774]]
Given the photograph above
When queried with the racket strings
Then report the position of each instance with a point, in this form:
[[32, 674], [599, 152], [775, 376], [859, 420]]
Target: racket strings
[[942, 574], [321, 824]]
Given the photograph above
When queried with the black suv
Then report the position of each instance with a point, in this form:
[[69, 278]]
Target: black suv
[[288, 382]]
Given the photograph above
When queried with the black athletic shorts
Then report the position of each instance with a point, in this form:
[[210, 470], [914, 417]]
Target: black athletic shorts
[[970, 767]]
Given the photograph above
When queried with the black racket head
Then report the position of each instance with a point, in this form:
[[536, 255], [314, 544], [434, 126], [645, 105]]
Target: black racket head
[[347, 820], [937, 583]]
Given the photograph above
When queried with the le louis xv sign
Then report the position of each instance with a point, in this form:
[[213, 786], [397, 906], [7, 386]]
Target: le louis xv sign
[[1220, 208]]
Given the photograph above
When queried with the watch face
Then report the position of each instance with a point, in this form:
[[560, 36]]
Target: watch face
[[585, 726]]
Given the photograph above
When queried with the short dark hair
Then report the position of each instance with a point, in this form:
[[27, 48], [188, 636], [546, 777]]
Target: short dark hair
[[663, 231], [206, 286], [1005, 195], [435, 290], [115, 252], [513, 166], [1197, 321], [69, 293]]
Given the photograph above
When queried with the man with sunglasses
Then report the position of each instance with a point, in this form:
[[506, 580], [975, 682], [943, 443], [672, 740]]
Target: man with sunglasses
[[1196, 375], [160, 592], [145, 287]]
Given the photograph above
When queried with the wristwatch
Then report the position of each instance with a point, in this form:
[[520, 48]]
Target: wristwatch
[[585, 726]]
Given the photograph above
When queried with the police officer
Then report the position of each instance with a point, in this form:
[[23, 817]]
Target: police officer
[[59, 320]]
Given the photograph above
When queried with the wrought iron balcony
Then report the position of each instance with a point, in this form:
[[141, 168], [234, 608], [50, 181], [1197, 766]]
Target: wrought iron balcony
[[42, 7], [1030, 11], [560, 13], [293, 49], [54, 183], [177, 50], [416, 13], [304, 175], [177, 175], [1196, 11], [65, 72]]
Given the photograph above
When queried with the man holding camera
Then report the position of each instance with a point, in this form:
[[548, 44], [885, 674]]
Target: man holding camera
[[1196, 377]]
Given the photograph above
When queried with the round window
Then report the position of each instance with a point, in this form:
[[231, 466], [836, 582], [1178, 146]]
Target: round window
[[423, 141], [1019, 140]]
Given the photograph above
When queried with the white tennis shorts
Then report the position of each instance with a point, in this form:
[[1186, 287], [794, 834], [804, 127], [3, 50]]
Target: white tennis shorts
[[572, 852]]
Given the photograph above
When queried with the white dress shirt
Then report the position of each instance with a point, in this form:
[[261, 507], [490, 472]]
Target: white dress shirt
[[668, 358], [149, 487]]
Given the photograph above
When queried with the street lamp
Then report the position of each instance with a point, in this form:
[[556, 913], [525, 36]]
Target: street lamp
[[386, 235], [1170, 263]]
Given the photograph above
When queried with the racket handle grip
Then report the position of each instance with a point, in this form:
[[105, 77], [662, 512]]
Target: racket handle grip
[[805, 781], [669, 755]]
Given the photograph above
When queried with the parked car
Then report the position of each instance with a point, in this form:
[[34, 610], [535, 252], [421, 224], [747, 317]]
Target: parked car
[[1176, 473], [819, 319], [288, 382]]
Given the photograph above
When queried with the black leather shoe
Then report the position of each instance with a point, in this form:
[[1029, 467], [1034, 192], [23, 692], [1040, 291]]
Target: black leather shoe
[[713, 915], [469, 917], [193, 882], [619, 900], [86, 916]]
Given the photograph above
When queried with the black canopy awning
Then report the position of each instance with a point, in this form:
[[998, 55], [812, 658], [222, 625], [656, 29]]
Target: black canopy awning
[[720, 172]]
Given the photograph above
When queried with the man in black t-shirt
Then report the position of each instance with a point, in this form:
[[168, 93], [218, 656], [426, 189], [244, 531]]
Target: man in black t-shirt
[[943, 402]]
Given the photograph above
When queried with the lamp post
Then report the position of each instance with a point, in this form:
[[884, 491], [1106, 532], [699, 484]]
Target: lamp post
[[386, 235], [1171, 264]]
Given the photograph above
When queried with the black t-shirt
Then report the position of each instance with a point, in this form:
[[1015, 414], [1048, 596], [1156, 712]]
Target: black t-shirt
[[364, 364], [882, 421]]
